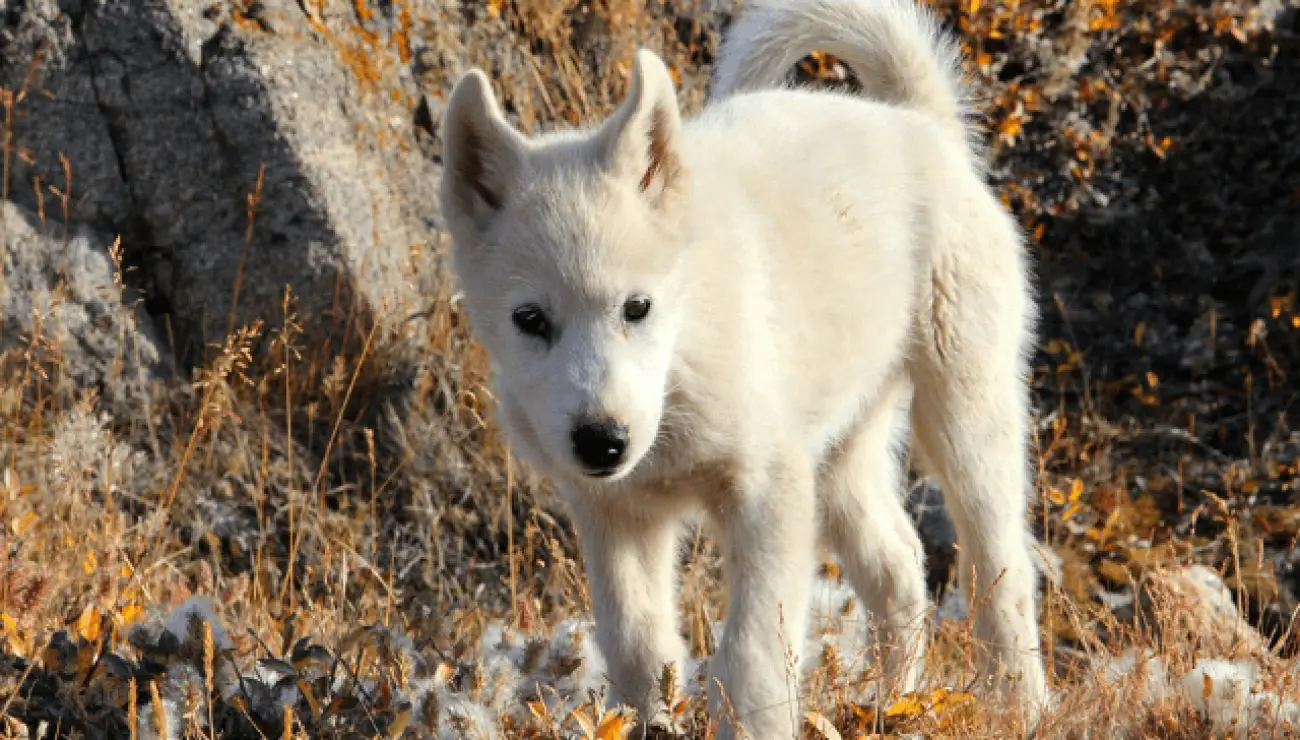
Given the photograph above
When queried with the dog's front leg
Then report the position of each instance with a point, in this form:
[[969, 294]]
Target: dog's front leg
[[768, 534], [630, 556]]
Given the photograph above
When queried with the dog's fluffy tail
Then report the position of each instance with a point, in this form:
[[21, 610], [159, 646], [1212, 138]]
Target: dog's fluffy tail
[[895, 47]]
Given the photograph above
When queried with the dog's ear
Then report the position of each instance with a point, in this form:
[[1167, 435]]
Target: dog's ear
[[641, 141], [481, 152]]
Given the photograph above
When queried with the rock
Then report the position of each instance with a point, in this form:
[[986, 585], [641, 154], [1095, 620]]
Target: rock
[[172, 113], [63, 305], [1193, 601], [1277, 615], [938, 534]]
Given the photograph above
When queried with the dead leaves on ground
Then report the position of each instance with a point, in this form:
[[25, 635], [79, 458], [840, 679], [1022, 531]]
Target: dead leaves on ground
[[938, 713]]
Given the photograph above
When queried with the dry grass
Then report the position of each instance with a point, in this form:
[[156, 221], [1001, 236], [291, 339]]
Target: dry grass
[[368, 531]]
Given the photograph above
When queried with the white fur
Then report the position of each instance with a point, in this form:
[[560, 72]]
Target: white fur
[[823, 269]]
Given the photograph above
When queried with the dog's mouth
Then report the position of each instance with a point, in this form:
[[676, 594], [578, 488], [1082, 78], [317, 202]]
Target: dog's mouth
[[608, 475]]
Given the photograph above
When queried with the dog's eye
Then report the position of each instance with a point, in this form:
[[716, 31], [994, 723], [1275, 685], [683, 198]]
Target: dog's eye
[[636, 309], [531, 320]]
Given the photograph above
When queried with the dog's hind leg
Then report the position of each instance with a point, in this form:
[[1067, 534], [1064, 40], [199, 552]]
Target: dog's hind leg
[[970, 415], [864, 521]]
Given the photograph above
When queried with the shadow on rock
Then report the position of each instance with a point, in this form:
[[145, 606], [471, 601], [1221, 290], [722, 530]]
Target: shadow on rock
[[171, 124]]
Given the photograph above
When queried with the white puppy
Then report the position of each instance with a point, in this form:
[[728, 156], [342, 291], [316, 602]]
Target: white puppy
[[736, 316]]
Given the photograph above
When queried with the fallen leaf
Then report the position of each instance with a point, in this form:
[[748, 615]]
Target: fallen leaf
[[908, 707], [88, 624], [130, 614], [24, 524], [90, 562], [613, 726], [1076, 490]]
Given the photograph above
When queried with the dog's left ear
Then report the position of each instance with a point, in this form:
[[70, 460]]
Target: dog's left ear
[[641, 140]]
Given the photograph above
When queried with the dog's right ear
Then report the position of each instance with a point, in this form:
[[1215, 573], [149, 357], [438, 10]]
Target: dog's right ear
[[481, 152], [641, 140]]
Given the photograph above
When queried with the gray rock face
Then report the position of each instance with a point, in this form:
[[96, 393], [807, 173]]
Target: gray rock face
[[937, 532], [168, 110], [63, 304]]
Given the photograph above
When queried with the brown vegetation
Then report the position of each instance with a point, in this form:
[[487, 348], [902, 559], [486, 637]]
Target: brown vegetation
[[365, 528]]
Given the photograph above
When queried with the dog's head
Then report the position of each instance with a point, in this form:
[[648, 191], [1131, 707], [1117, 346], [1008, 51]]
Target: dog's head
[[568, 249]]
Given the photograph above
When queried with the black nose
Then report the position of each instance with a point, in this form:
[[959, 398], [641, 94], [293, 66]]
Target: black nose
[[600, 445]]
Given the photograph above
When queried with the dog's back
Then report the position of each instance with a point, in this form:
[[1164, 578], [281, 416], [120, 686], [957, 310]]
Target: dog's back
[[809, 218], [813, 211]]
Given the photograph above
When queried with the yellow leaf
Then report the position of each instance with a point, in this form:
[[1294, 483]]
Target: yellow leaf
[[1069, 512], [12, 638], [24, 524], [945, 700], [88, 624], [613, 726], [1010, 128], [908, 706], [130, 614], [1138, 332], [494, 8], [865, 715], [1056, 495], [1076, 490], [538, 709], [90, 562], [125, 571]]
